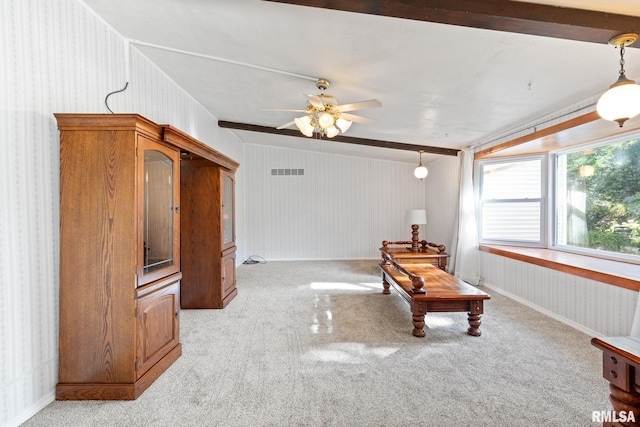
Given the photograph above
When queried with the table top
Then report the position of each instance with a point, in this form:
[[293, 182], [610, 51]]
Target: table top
[[437, 283], [628, 347]]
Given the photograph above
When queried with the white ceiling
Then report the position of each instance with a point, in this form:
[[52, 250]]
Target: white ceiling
[[440, 85]]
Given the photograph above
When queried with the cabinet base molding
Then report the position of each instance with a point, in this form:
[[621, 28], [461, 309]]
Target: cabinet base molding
[[229, 297], [99, 391]]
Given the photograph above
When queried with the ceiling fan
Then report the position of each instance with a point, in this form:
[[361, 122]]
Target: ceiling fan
[[323, 114]]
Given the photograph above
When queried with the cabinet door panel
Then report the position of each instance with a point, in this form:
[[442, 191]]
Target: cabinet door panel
[[158, 325], [158, 205], [227, 205], [228, 274]]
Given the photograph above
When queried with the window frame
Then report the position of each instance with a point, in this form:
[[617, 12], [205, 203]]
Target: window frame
[[553, 212], [542, 241]]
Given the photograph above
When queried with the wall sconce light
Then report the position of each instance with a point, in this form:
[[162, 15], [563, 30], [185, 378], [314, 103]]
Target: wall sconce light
[[420, 171], [622, 100], [415, 217]]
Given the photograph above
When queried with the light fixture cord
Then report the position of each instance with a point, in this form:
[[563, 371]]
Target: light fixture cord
[[622, 59]]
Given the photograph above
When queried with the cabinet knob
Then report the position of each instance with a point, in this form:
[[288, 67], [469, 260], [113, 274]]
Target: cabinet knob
[[177, 208], [177, 313]]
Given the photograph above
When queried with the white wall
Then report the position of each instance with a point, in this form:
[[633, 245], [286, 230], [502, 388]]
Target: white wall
[[341, 208], [595, 308], [58, 57]]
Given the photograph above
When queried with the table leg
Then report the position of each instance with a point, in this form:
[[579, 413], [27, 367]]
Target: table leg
[[418, 325], [385, 286], [626, 402], [474, 325]]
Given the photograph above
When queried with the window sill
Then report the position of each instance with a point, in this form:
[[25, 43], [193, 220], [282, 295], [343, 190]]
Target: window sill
[[622, 274]]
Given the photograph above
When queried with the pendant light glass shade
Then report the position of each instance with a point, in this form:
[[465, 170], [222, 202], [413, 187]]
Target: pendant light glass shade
[[622, 101], [420, 171]]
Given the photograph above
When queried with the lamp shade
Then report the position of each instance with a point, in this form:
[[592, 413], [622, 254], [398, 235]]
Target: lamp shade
[[420, 171], [343, 124], [325, 120], [620, 103], [332, 131], [416, 216], [304, 124]]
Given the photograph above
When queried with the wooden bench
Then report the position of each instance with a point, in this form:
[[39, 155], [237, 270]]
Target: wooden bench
[[403, 252], [426, 288]]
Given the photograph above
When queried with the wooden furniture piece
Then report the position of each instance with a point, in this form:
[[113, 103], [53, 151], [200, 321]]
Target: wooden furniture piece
[[208, 247], [120, 251], [621, 367], [427, 288], [429, 253]]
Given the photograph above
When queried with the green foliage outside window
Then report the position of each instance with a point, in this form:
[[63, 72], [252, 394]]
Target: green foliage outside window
[[609, 176]]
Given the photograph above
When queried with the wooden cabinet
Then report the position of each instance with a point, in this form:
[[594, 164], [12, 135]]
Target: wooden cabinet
[[119, 256], [123, 238], [208, 245]]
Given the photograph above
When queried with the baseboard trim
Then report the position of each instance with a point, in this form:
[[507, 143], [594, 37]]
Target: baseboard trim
[[31, 410], [568, 322]]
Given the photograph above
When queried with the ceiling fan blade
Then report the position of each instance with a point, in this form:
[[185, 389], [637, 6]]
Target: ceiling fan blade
[[357, 119], [316, 102], [286, 125], [371, 103], [277, 109]]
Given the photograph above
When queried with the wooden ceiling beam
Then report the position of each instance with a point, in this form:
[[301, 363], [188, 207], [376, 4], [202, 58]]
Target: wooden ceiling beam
[[500, 15], [340, 138]]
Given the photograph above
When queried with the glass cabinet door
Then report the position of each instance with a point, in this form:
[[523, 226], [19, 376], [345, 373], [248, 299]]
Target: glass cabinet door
[[159, 210], [228, 232]]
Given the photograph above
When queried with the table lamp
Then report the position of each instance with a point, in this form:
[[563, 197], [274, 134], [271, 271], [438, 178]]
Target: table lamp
[[415, 217]]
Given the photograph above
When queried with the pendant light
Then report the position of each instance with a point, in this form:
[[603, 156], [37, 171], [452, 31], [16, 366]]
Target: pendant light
[[420, 171], [622, 101]]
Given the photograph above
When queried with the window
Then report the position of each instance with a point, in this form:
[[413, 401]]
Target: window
[[598, 198], [591, 205], [511, 200]]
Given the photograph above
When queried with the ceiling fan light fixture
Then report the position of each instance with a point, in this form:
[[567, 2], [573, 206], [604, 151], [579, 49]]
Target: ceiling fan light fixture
[[326, 120], [304, 125], [622, 100], [323, 114], [332, 131], [343, 124]]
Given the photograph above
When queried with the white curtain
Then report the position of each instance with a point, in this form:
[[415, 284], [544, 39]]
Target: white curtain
[[463, 262]]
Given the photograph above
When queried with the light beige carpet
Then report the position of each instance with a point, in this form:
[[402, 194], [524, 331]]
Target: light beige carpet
[[317, 344]]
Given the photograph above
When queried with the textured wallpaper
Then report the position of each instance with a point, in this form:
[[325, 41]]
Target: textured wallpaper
[[57, 56]]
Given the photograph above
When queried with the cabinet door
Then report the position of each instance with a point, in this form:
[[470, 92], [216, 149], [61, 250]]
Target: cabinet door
[[158, 211], [228, 210], [228, 273], [158, 325]]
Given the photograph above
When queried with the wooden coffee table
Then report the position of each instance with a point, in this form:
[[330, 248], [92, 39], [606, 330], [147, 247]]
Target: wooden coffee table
[[426, 289]]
